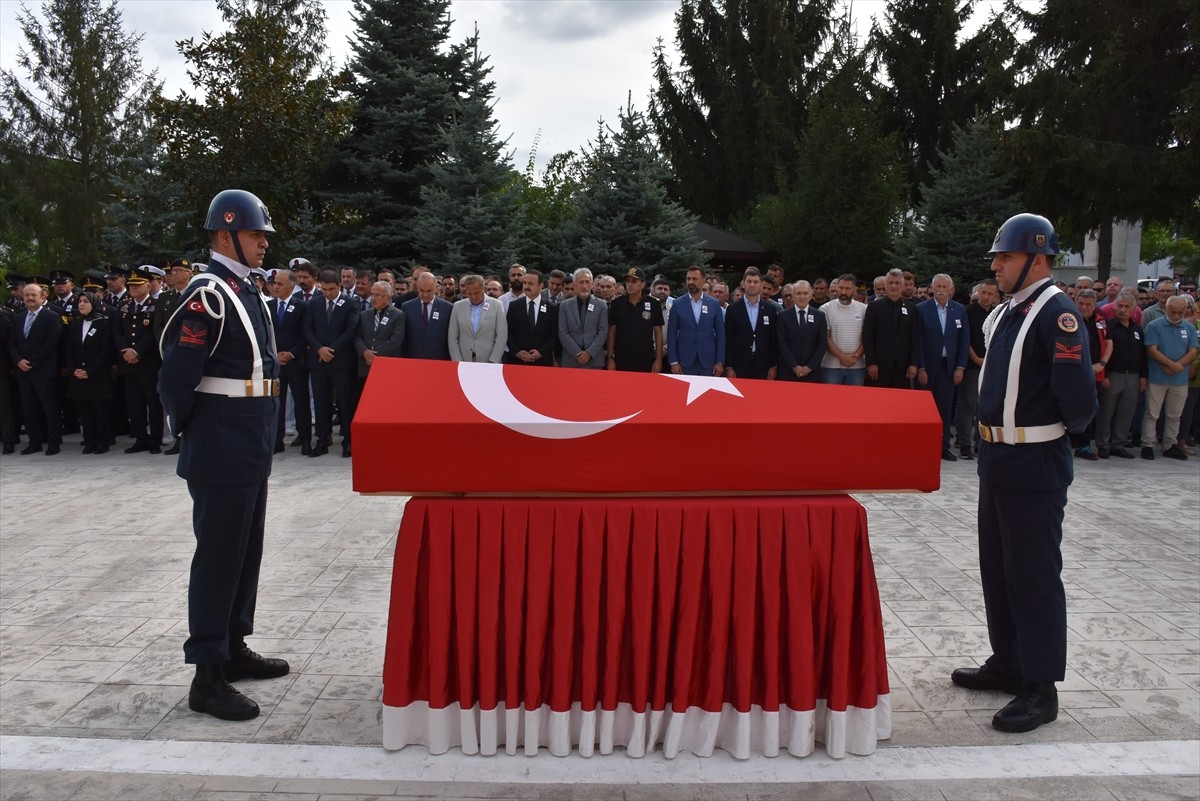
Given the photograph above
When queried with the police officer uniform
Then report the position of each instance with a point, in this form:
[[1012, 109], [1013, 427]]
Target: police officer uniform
[[634, 346], [220, 383], [1036, 385]]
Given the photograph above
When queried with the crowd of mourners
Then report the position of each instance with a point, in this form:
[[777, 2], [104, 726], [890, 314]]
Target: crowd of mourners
[[84, 359]]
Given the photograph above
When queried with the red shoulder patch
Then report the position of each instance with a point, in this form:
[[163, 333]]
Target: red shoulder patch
[[1067, 351], [196, 306], [234, 284], [193, 336]]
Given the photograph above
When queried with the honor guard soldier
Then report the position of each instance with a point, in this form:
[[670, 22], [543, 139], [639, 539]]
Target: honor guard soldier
[[138, 361], [177, 274], [220, 382], [1036, 385]]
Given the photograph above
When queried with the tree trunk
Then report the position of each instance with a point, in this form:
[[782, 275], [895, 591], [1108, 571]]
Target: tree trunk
[[1104, 242]]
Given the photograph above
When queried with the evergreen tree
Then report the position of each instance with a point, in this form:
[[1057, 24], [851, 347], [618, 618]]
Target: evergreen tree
[[152, 219], [932, 78], [1102, 112], [306, 241], [67, 127], [625, 218], [546, 204], [405, 87], [269, 114], [468, 220], [729, 118], [961, 208]]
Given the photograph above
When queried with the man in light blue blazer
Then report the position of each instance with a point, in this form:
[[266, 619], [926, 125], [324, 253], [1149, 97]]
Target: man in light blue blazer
[[478, 327], [696, 330], [943, 345], [583, 325]]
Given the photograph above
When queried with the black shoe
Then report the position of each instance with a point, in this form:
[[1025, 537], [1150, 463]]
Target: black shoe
[[9, 448], [154, 449], [28, 449], [137, 447], [1148, 453], [212, 694], [328, 440], [319, 450], [965, 453], [1175, 452], [948, 455], [1036, 704], [88, 449], [1121, 453], [279, 447], [985, 678], [1102, 453], [54, 450], [102, 449], [1084, 453], [173, 450], [245, 664], [298, 442], [305, 449], [346, 452]]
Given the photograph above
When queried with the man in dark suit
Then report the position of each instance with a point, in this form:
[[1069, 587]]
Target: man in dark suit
[[532, 325], [329, 328], [380, 331], [751, 345], [696, 330], [427, 322], [34, 348], [802, 337], [890, 336], [287, 315], [943, 346]]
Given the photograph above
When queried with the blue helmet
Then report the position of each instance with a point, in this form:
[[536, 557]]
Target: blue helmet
[[237, 210], [1026, 233]]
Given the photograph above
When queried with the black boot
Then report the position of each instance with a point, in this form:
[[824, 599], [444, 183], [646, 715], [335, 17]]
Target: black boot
[[1036, 704], [245, 664], [212, 694]]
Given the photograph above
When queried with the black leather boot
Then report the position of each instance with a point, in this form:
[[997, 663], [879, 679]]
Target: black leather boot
[[245, 664], [212, 694], [1036, 704]]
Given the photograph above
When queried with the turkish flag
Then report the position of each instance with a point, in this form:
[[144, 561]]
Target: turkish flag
[[431, 427]]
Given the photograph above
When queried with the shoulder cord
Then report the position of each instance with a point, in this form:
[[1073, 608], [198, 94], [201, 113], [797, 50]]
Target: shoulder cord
[[203, 294], [1014, 365]]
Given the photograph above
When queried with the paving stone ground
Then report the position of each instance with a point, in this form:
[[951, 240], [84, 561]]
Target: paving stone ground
[[94, 554]]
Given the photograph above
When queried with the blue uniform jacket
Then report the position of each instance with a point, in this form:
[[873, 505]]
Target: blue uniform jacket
[[225, 441]]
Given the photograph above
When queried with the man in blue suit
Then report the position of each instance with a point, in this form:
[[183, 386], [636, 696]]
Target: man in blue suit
[[427, 322], [33, 349], [330, 325], [696, 330], [287, 315], [943, 346]]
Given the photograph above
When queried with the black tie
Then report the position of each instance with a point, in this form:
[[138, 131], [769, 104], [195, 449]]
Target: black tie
[[329, 310], [532, 315], [426, 315]]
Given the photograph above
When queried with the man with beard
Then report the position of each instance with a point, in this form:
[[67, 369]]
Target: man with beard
[[843, 362], [696, 330], [890, 336]]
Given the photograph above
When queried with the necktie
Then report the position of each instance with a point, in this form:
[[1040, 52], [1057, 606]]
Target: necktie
[[307, 295], [426, 314], [532, 314], [280, 307], [329, 310], [29, 322], [378, 316], [800, 317]]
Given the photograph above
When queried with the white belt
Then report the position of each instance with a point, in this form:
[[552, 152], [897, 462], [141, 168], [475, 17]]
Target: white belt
[[239, 388], [1025, 435]]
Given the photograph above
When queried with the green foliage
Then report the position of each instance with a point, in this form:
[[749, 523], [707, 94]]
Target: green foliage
[[152, 219], [405, 91], [545, 206], [467, 220], [728, 119], [68, 125], [934, 78], [962, 206], [269, 115], [624, 215], [1161, 242]]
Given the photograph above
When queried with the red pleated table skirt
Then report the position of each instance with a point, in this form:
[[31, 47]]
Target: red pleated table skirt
[[746, 624]]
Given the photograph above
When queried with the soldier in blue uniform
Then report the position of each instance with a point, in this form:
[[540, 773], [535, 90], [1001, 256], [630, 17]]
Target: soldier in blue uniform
[[1036, 390], [220, 383]]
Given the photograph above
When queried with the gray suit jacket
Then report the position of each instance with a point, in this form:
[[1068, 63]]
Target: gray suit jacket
[[590, 333], [486, 344], [385, 340]]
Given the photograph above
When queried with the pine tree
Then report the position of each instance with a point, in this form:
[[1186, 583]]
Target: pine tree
[[934, 78], [152, 219], [966, 200], [546, 205], [728, 119], [468, 220], [66, 129], [625, 218], [405, 85]]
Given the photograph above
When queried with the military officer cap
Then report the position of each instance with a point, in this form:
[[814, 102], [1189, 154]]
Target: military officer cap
[[199, 267], [140, 275], [181, 263], [156, 272], [93, 279], [636, 272], [41, 281], [258, 272], [271, 276], [61, 277], [294, 263], [112, 271], [14, 281]]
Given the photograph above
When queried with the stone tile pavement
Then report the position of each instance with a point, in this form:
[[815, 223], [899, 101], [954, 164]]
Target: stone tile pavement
[[94, 553]]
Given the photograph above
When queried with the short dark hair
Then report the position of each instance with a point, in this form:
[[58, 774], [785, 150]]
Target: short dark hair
[[751, 271], [536, 274], [847, 277], [330, 277], [559, 274], [308, 269], [365, 273]]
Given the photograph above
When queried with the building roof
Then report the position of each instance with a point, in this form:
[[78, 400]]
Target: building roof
[[728, 246]]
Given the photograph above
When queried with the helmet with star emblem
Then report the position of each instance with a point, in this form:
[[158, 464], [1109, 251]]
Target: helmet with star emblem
[[238, 210], [1026, 233]]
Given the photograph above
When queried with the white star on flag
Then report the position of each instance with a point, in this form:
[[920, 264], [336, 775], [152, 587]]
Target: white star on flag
[[699, 384]]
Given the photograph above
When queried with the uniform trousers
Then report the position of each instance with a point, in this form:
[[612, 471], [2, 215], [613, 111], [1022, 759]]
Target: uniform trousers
[[144, 407], [39, 405], [1167, 400], [967, 435], [293, 385], [1020, 563], [229, 523], [1116, 410]]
